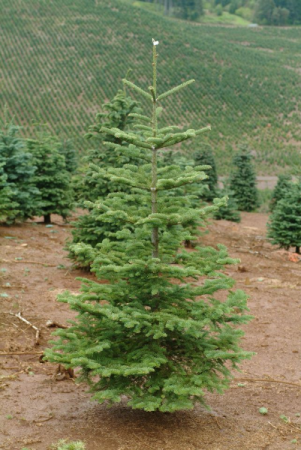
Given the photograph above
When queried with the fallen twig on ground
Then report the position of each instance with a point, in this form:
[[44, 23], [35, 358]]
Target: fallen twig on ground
[[22, 261], [37, 337], [268, 381], [43, 420], [20, 353]]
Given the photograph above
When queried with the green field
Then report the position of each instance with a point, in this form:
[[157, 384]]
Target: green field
[[61, 60]]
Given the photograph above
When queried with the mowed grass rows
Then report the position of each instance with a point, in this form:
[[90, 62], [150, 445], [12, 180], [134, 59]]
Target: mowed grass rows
[[61, 60]]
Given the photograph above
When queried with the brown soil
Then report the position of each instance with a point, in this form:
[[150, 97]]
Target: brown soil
[[36, 409]]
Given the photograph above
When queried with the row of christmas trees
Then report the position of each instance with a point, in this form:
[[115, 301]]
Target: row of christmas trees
[[38, 178]]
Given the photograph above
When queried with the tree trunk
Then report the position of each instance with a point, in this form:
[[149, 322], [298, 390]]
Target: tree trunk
[[298, 250], [154, 193], [47, 219]]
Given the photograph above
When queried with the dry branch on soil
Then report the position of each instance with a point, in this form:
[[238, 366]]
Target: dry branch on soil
[[268, 381], [37, 337]]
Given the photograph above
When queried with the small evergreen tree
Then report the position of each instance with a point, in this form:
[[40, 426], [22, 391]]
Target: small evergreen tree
[[6, 195], [204, 156], [284, 227], [70, 154], [229, 211], [243, 180], [51, 177], [110, 151], [17, 169], [155, 332], [283, 183], [93, 186]]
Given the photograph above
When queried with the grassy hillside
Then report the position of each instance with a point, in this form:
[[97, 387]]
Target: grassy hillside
[[61, 60]]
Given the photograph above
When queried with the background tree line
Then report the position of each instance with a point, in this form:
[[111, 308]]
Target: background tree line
[[265, 12], [184, 9]]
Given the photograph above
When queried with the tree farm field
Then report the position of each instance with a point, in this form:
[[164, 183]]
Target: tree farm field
[[41, 404]]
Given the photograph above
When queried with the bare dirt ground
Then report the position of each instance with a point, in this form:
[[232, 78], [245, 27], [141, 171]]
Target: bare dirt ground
[[36, 409]]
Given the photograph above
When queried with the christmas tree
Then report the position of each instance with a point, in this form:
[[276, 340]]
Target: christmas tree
[[283, 183], [7, 207], [284, 227], [17, 169], [243, 180], [92, 185], [204, 156], [70, 154], [155, 331], [109, 150], [230, 210], [51, 176]]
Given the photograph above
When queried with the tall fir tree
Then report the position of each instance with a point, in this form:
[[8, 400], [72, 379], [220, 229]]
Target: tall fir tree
[[243, 180], [51, 176], [155, 331], [17, 169], [284, 227], [204, 156], [283, 183]]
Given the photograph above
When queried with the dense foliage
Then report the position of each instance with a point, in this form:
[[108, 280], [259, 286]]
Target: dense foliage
[[249, 76], [155, 331], [229, 211], [243, 181], [278, 12], [108, 150], [92, 186], [51, 176], [7, 207], [204, 156], [17, 170], [283, 183], [184, 9], [284, 227]]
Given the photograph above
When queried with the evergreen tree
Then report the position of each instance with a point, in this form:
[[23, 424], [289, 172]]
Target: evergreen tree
[[204, 156], [283, 183], [264, 11], [154, 332], [51, 177], [189, 9], [243, 180], [17, 168], [94, 186], [284, 227], [278, 12], [70, 155], [230, 210], [6, 194], [110, 150]]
